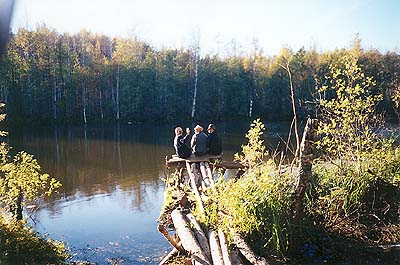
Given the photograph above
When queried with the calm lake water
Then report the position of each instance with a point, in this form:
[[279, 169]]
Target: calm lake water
[[112, 189]]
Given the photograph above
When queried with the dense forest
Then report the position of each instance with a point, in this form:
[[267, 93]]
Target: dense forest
[[47, 77]]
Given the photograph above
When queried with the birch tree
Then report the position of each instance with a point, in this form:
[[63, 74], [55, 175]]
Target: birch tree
[[195, 48]]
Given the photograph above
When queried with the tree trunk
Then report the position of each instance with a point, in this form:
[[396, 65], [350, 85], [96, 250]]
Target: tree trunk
[[18, 210], [84, 103], [293, 100], [117, 94], [196, 64], [101, 100], [54, 98], [306, 159]]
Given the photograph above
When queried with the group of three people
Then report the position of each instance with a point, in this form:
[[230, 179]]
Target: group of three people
[[200, 144]]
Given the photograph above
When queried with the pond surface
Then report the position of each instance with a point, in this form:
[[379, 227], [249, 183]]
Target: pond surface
[[112, 189]]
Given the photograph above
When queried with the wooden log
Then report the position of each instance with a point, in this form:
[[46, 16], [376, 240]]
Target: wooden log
[[224, 247], [185, 178], [204, 174], [247, 252], [200, 235], [176, 161], [194, 187], [171, 240], [209, 174], [169, 256], [188, 239], [203, 185], [215, 247]]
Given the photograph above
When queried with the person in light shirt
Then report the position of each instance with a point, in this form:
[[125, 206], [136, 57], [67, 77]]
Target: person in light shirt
[[199, 141]]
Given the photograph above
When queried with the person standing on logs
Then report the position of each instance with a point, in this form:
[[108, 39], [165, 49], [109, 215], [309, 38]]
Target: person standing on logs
[[214, 143], [199, 141], [180, 143]]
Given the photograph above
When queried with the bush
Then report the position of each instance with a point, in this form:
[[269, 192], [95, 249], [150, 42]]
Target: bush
[[360, 200], [255, 206], [19, 244]]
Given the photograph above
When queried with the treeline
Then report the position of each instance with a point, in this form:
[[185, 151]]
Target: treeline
[[46, 76]]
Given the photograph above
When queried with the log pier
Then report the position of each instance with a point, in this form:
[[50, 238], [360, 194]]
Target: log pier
[[199, 244]]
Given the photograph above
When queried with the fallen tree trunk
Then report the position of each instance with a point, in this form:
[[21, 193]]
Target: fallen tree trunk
[[188, 239], [209, 174], [194, 187], [224, 247], [204, 174], [200, 235], [247, 252], [215, 247]]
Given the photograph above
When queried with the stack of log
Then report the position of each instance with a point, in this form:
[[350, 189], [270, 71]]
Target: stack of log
[[200, 246]]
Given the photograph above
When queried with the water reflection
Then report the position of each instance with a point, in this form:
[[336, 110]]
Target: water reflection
[[91, 161]]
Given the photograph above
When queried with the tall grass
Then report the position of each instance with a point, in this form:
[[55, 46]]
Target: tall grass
[[255, 206]]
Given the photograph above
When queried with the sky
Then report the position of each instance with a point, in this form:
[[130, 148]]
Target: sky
[[222, 25]]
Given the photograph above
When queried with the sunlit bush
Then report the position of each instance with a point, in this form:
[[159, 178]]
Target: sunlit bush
[[19, 244]]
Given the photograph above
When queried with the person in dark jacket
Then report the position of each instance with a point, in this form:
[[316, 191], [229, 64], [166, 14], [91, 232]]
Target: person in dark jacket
[[214, 143], [199, 141], [180, 143]]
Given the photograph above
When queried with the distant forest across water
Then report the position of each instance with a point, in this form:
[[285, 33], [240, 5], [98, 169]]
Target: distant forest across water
[[48, 77]]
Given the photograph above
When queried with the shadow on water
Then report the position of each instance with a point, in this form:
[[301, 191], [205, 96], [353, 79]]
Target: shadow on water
[[112, 190]]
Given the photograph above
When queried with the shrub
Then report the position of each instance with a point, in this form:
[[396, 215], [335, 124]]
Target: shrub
[[19, 244]]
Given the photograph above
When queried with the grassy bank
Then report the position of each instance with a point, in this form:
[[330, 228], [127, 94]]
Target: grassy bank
[[19, 244], [351, 212]]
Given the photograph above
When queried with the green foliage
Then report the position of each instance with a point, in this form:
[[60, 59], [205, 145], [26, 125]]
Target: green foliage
[[48, 76], [361, 201], [21, 175], [19, 244], [348, 110], [254, 151], [359, 184], [256, 206]]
